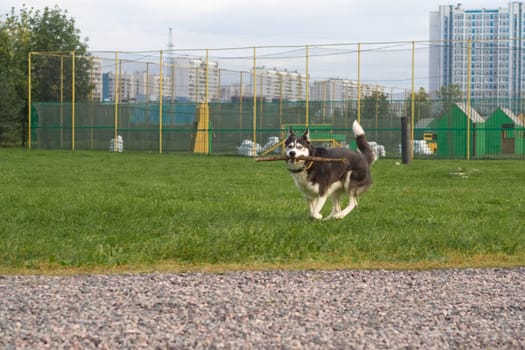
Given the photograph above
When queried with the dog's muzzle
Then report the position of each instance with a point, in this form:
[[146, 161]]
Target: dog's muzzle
[[292, 158], [295, 165]]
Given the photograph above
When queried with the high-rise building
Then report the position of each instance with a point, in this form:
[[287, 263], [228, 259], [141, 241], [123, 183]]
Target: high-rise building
[[275, 84], [182, 79], [95, 77], [496, 39], [339, 91], [127, 87], [191, 76], [336, 89]]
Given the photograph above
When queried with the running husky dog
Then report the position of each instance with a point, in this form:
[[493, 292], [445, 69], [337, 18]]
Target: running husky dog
[[320, 180]]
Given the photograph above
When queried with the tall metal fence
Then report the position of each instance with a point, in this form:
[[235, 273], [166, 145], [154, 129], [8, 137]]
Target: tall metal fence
[[244, 100]]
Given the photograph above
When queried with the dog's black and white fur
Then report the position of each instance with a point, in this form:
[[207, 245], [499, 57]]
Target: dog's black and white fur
[[319, 181]]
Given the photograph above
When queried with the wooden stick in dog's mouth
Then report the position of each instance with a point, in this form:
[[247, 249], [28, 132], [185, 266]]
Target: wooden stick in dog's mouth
[[313, 159]]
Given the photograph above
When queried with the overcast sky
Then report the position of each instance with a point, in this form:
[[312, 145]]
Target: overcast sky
[[131, 25]]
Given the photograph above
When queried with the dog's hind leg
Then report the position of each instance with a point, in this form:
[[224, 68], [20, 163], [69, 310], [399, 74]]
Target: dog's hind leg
[[336, 205], [352, 203]]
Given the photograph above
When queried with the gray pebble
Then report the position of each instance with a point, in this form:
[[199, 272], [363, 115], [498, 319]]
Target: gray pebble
[[347, 309]]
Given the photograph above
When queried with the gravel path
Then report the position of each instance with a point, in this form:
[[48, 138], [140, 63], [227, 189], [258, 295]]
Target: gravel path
[[350, 309]]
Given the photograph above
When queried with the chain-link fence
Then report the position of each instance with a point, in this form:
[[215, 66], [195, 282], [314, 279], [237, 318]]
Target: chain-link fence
[[243, 100]]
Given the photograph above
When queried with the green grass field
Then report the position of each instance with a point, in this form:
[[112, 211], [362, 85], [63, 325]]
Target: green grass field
[[96, 211]]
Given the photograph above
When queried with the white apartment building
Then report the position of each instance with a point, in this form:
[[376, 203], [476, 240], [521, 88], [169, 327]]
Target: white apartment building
[[336, 89], [194, 81], [275, 85], [270, 85], [95, 77], [182, 79], [497, 63], [148, 86], [127, 87]]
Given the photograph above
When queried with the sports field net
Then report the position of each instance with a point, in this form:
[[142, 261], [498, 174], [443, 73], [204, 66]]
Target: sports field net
[[243, 100]]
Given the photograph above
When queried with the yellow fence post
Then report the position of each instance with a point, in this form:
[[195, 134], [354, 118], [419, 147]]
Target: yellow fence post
[[359, 83], [307, 90], [280, 101], [413, 102], [206, 91], [116, 98], [73, 101], [254, 102], [469, 109], [91, 78], [29, 102], [61, 101], [148, 92], [207, 108], [160, 103], [240, 106]]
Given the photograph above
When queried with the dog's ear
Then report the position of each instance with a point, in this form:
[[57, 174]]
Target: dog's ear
[[290, 132], [307, 135]]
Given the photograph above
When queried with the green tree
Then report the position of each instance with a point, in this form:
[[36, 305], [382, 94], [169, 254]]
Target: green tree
[[375, 112], [422, 107], [449, 95], [375, 106], [30, 30], [10, 105]]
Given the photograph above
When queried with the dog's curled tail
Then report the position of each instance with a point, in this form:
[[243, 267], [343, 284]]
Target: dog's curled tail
[[362, 143]]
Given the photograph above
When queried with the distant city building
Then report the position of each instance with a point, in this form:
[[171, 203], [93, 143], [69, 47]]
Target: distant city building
[[128, 87], [182, 79], [95, 76], [336, 89], [273, 84], [190, 79], [185, 79], [497, 66]]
